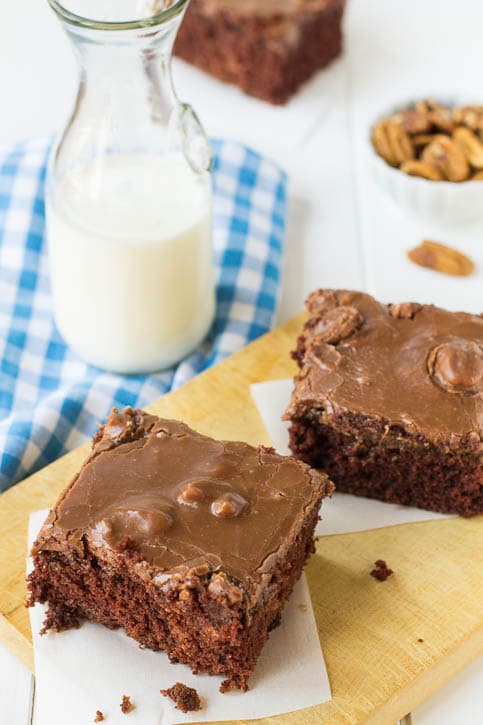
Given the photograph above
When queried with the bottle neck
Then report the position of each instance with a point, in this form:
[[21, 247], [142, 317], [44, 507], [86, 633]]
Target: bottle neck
[[126, 102], [131, 68]]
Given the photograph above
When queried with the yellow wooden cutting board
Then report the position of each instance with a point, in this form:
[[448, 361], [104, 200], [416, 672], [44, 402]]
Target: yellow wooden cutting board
[[387, 645]]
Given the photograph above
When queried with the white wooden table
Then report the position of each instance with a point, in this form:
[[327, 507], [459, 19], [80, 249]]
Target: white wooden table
[[342, 231]]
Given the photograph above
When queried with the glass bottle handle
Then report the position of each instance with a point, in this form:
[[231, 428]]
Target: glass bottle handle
[[195, 143]]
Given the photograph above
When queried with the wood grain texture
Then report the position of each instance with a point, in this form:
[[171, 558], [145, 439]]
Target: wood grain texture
[[369, 630]]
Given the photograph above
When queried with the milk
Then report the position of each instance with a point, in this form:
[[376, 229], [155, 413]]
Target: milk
[[129, 241]]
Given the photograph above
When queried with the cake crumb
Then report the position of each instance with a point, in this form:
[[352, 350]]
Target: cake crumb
[[185, 698], [233, 684], [126, 705], [420, 639], [99, 716], [382, 571], [302, 607]]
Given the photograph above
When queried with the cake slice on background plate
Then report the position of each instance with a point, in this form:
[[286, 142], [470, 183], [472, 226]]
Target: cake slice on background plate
[[268, 48], [389, 400]]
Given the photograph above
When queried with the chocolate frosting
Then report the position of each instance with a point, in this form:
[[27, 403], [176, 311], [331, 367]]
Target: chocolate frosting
[[414, 366], [182, 501]]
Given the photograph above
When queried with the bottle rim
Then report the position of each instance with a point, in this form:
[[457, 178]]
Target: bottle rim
[[152, 20]]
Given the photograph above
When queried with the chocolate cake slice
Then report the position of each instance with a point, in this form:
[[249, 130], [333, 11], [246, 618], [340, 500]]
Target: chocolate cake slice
[[191, 544], [389, 400], [268, 48]]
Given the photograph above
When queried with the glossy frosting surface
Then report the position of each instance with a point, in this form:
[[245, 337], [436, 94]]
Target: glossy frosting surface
[[414, 366], [183, 500]]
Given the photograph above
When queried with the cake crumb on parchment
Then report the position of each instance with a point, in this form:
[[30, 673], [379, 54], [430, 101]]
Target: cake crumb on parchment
[[185, 698], [126, 705]]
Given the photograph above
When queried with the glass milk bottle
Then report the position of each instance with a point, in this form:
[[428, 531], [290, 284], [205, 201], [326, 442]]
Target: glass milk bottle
[[128, 195]]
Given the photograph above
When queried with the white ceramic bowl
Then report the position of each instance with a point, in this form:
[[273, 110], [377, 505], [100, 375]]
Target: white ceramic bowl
[[443, 202]]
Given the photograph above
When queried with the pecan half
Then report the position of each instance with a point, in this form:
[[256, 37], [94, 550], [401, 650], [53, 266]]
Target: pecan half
[[427, 105], [442, 119], [337, 324], [400, 142], [470, 116], [380, 141], [445, 155], [422, 169], [392, 142], [441, 258], [457, 366], [470, 145], [422, 139], [404, 310], [320, 301], [413, 122]]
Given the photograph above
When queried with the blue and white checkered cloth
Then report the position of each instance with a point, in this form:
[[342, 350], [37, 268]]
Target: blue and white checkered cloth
[[50, 400]]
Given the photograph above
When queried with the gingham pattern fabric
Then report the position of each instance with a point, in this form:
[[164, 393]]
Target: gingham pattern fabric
[[50, 400]]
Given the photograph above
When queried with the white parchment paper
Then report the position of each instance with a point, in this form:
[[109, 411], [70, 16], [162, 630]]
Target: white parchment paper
[[91, 668], [343, 513]]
